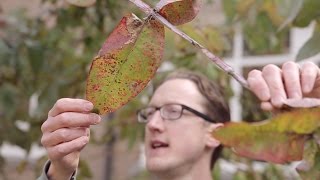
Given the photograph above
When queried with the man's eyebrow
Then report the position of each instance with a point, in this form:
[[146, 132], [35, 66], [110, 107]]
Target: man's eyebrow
[[161, 104], [150, 105]]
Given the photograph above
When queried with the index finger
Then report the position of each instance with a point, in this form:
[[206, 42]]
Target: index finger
[[70, 105], [70, 120]]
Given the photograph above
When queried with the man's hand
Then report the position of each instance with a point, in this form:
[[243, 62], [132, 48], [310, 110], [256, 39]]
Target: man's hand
[[273, 86], [65, 133]]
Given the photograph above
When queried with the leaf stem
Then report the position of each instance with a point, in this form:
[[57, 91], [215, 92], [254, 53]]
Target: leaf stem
[[215, 59]]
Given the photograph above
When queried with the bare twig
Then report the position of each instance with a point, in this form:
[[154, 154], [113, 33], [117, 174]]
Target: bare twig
[[221, 64]]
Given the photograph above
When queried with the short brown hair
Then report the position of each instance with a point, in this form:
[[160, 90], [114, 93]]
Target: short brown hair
[[216, 106]]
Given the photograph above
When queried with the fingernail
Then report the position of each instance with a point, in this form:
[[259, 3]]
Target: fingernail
[[88, 106], [85, 140], [97, 119], [87, 131], [278, 102]]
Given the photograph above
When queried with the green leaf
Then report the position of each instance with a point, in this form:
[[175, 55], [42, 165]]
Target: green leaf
[[126, 63], [179, 12], [271, 9], [309, 168], [84, 170], [209, 36], [278, 140], [229, 8], [290, 13], [36, 56], [308, 13], [310, 48], [82, 3], [244, 6], [22, 166]]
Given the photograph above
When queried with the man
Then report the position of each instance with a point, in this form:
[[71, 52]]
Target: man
[[183, 111]]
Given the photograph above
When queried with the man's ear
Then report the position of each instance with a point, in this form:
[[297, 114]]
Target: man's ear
[[211, 141]]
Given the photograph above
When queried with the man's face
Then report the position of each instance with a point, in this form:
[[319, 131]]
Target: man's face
[[174, 144]]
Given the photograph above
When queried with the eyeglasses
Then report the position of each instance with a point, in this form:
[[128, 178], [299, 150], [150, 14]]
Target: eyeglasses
[[168, 112]]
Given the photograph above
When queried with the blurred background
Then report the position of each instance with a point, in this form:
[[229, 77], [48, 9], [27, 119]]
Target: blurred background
[[46, 48]]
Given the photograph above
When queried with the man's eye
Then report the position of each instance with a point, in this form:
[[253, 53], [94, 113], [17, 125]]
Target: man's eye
[[173, 110], [150, 113]]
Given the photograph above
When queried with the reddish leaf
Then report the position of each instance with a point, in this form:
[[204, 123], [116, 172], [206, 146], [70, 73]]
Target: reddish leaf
[[126, 63], [179, 12], [82, 3], [248, 141], [278, 140]]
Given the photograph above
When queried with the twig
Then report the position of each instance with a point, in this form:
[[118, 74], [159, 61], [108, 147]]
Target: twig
[[221, 64]]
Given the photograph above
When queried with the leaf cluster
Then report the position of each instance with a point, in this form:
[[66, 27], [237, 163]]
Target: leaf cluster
[[266, 24]]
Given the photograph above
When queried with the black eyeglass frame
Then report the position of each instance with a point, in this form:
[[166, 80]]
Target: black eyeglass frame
[[195, 112]]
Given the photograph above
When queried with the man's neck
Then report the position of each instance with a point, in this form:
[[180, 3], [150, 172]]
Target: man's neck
[[200, 175], [198, 171]]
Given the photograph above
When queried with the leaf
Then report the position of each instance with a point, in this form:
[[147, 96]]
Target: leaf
[[309, 168], [230, 10], [179, 12], [261, 37], [126, 63], [291, 13], [208, 36], [85, 171], [81, 3], [311, 47], [36, 56], [21, 166], [308, 13], [270, 7], [244, 6], [261, 145], [278, 140]]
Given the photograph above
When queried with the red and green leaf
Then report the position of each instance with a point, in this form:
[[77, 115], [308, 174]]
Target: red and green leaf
[[278, 140], [126, 63], [179, 12], [309, 168]]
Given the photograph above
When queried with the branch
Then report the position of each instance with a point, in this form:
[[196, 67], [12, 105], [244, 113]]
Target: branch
[[221, 64]]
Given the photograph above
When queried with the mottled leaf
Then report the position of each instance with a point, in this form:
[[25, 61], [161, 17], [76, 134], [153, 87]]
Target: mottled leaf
[[278, 140], [309, 168], [126, 63], [251, 142], [82, 3], [179, 12]]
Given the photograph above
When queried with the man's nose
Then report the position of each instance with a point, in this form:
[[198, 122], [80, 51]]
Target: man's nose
[[156, 122]]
